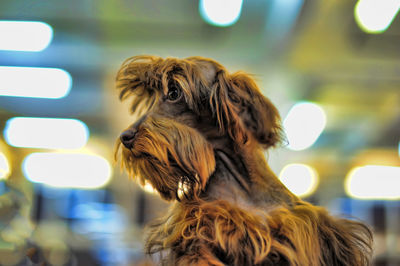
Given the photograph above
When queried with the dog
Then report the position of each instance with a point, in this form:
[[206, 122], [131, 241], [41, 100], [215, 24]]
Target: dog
[[198, 139]]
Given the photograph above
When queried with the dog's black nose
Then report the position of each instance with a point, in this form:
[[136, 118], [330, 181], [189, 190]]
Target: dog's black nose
[[128, 137]]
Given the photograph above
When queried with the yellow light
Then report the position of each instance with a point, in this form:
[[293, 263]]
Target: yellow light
[[31, 36], [222, 13], [35, 82], [4, 167], [374, 16], [303, 125], [67, 170], [300, 179], [374, 182], [149, 188], [48, 133]]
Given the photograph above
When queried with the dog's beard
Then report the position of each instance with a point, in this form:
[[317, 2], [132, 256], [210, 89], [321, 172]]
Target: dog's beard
[[175, 159]]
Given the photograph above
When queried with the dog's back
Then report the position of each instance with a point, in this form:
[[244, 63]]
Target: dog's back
[[228, 226]]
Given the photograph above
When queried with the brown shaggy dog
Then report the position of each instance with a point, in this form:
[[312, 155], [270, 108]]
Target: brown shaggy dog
[[199, 141]]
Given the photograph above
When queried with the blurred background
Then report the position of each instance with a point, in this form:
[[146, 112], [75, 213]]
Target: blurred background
[[331, 67]]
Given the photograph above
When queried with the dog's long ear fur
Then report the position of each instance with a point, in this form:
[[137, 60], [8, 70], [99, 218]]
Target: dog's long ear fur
[[241, 109]]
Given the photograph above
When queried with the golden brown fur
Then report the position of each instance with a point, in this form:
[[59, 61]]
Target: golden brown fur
[[198, 140]]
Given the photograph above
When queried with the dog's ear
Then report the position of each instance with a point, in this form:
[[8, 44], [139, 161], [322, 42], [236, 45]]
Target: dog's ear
[[241, 109]]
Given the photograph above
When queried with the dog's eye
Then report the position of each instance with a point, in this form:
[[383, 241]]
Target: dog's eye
[[174, 93]]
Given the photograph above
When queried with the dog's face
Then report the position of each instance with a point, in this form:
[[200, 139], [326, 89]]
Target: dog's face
[[184, 109]]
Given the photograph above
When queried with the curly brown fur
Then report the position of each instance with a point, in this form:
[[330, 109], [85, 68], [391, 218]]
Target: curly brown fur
[[198, 141]]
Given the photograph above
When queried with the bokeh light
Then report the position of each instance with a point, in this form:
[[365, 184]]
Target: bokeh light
[[4, 166], [32, 36], [36, 82], [300, 179], [222, 13], [378, 182], [67, 170], [303, 125], [48, 133], [376, 16]]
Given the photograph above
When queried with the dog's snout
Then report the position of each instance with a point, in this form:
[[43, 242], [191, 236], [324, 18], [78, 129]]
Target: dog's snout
[[128, 137]]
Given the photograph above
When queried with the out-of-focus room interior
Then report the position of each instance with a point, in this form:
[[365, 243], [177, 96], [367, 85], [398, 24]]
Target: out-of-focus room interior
[[332, 68]]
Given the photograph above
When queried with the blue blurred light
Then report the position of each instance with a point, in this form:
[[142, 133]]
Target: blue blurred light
[[221, 13], [98, 218], [3, 187], [32, 36], [282, 16], [36, 82]]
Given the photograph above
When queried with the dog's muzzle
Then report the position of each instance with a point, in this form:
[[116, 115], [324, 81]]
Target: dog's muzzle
[[128, 137]]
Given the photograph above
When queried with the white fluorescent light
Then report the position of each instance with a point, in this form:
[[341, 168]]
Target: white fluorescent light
[[303, 125], [376, 16], [300, 179], [31, 36], [37, 82], [374, 182], [47, 133], [67, 170], [4, 167], [220, 13]]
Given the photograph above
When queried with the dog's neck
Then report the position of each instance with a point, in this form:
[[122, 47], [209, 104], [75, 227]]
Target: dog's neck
[[245, 176]]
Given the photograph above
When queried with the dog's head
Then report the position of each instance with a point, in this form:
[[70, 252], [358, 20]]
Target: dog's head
[[185, 109]]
